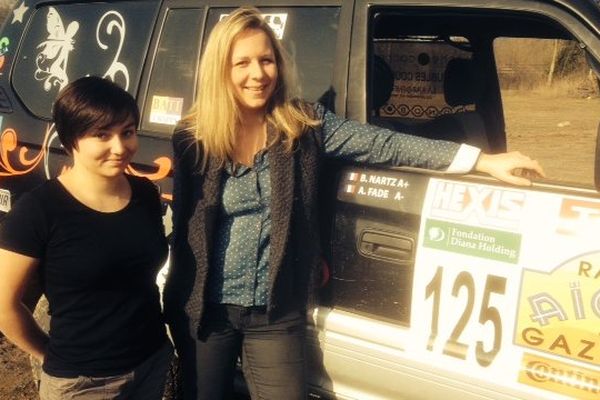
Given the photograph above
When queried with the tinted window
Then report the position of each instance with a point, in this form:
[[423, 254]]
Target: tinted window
[[172, 82], [65, 42], [312, 50]]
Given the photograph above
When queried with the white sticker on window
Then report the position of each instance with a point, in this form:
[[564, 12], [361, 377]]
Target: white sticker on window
[[276, 21], [166, 110], [4, 200]]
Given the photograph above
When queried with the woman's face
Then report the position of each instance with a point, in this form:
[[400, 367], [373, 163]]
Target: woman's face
[[107, 151], [253, 71]]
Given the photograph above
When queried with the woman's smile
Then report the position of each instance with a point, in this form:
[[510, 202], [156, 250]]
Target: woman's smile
[[253, 70]]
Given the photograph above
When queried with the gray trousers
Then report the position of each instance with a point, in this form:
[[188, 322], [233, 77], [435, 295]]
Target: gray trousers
[[272, 354], [145, 382]]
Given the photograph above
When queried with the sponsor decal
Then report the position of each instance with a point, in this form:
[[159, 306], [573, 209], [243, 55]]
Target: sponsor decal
[[166, 110], [472, 241], [490, 206], [276, 21], [4, 200], [578, 217], [566, 379], [559, 311]]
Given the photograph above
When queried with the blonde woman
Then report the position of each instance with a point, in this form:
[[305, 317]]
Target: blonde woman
[[245, 237]]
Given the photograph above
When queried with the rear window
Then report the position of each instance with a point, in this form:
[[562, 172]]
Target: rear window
[[312, 50], [173, 78], [65, 42]]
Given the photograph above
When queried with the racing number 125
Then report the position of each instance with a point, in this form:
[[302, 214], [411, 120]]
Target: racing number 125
[[454, 347]]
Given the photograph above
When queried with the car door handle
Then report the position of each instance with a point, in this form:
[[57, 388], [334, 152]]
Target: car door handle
[[386, 245]]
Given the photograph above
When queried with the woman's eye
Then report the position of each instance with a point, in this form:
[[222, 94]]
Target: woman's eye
[[101, 135], [129, 133]]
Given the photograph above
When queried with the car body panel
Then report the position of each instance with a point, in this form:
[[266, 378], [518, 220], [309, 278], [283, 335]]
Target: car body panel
[[437, 285]]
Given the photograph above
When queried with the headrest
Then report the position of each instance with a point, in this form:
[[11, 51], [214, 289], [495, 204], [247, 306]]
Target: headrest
[[383, 82], [463, 82]]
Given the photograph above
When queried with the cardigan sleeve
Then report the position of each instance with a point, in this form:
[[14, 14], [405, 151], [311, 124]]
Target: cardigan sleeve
[[184, 160], [352, 141]]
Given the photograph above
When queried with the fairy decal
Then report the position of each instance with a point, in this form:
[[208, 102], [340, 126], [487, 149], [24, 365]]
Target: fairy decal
[[51, 61]]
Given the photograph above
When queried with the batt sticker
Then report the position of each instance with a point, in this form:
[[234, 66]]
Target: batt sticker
[[276, 21], [4, 200], [166, 110]]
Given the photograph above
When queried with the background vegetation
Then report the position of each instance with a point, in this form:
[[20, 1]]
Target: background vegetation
[[545, 66]]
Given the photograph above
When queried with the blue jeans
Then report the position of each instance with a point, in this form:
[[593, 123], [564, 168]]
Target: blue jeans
[[272, 354]]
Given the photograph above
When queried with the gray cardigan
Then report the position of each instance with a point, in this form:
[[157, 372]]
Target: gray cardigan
[[295, 243]]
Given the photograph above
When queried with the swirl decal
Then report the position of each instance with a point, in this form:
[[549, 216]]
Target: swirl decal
[[52, 135], [8, 144], [164, 167], [112, 20]]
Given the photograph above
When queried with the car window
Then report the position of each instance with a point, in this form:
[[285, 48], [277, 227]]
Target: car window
[[67, 41], [311, 50], [499, 81], [551, 104], [173, 78]]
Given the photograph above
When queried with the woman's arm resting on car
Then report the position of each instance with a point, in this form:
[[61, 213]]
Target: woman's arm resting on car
[[506, 166], [16, 321]]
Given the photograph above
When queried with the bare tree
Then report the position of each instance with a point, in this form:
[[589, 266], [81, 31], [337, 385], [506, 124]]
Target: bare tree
[[552, 64]]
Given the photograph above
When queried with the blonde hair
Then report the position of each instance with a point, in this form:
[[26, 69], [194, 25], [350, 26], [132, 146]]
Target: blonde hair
[[214, 118]]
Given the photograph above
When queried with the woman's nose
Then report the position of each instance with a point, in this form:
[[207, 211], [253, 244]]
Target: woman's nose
[[256, 70], [116, 145]]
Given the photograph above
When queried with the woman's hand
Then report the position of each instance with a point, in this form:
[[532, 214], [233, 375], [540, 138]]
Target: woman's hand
[[508, 167], [16, 321]]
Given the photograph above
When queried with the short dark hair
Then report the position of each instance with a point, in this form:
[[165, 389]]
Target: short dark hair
[[90, 102]]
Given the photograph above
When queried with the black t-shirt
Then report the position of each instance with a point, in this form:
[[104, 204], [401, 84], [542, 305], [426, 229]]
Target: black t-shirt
[[98, 271]]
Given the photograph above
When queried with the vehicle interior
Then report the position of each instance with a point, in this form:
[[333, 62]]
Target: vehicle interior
[[453, 91]]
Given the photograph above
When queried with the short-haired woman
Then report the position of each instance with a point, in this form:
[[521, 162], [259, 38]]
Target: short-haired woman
[[245, 241], [95, 238]]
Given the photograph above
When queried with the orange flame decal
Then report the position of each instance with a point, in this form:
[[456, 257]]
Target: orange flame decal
[[164, 166], [8, 143]]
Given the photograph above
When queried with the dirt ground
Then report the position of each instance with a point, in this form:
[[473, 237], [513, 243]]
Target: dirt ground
[[15, 376], [559, 133]]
